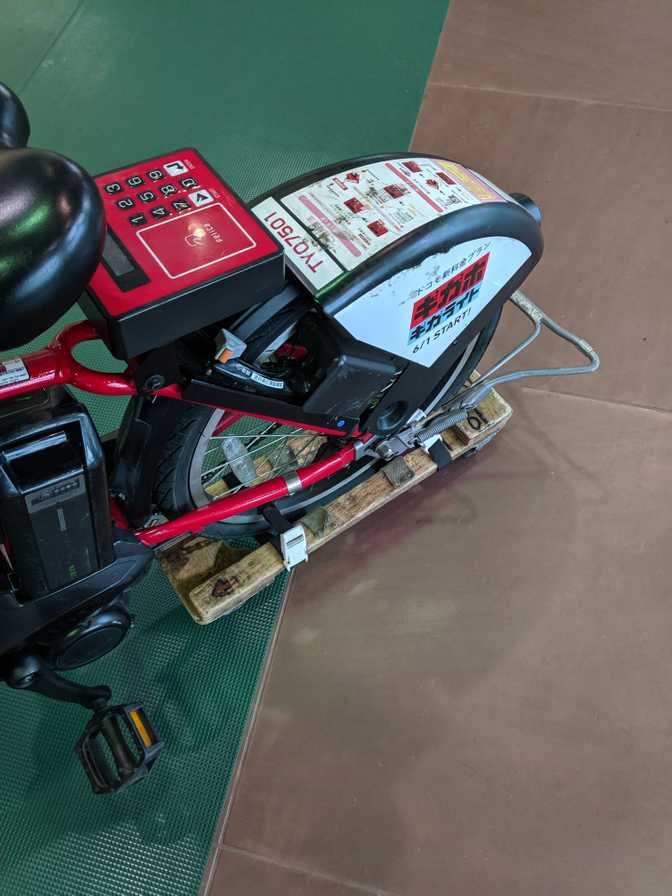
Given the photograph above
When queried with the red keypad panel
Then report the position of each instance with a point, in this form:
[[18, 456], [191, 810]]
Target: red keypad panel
[[196, 240], [173, 225]]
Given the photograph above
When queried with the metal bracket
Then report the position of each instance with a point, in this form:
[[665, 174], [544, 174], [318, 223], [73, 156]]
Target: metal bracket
[[359, 449], [403, 441]]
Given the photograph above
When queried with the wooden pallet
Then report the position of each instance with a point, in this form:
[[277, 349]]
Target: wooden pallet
[[213, 579]]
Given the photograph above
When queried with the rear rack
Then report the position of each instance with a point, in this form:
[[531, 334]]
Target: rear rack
[[426, 426], [475, 392]]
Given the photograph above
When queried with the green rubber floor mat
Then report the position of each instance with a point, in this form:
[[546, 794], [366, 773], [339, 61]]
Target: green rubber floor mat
[[265, 91], [198, 684]]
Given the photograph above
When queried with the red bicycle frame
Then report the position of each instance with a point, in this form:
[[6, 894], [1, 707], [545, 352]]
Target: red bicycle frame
[[54, 365]]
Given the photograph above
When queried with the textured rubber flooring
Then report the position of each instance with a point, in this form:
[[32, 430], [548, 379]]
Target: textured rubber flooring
[[153, 838], [265, 91]]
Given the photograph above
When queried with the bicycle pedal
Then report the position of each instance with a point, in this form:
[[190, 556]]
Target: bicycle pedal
[[118, 747]]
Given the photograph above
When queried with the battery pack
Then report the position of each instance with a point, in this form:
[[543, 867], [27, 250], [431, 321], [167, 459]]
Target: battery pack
[[53, 497]]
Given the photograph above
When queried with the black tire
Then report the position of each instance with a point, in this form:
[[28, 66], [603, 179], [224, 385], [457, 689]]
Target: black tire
[[472, 362], [171, 489]]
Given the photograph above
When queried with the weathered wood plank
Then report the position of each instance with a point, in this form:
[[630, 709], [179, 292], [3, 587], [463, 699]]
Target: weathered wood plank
[[214, 579], [225, 590]]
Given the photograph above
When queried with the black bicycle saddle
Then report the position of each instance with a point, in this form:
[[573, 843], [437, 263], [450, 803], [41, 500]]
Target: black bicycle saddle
[[51, 230]]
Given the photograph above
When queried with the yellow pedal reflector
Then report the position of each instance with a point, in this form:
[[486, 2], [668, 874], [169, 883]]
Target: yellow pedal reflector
[[140, 728]]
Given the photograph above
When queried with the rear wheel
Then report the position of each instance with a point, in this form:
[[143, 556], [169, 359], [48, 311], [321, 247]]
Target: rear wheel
[[214, 454]]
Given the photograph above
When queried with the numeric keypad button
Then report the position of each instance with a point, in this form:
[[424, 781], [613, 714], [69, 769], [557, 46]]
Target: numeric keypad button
[[200, 197], [175, 167]]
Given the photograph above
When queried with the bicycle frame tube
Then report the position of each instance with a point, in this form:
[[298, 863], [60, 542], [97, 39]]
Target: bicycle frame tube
[[54, 365], [247, 499]]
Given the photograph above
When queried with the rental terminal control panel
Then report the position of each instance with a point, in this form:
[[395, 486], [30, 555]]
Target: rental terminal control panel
[[181, 251]]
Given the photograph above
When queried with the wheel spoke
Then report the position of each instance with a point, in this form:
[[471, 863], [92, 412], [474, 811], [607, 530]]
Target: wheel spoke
[[298, 433], [272, 452]]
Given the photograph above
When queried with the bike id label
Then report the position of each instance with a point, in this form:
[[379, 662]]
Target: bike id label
[[306, 257], [13, 371]]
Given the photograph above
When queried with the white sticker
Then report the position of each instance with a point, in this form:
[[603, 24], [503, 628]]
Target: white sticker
[[13, 371], [420, 311], [311, 264], [360, 211], [200, 197], [265, 381], [175, 167]]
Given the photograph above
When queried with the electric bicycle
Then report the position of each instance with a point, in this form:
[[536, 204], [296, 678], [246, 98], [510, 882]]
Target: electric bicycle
[[277, 353]]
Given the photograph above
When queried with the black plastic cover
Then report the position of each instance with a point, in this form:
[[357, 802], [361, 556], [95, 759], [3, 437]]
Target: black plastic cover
[[53, 498], [353, 373]]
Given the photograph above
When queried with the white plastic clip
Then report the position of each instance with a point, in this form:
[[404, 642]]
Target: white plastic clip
[[293, 547]]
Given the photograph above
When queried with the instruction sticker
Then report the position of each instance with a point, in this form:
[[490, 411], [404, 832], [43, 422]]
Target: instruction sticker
[[13, 371], [356, 213], [419, 312]]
